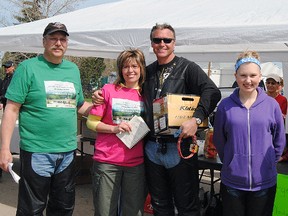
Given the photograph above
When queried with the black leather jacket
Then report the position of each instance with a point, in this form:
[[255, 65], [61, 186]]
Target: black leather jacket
[[3, 89], [185, 77]]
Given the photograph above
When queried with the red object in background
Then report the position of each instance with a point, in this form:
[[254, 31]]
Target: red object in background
[[209, 147], [148, 207]]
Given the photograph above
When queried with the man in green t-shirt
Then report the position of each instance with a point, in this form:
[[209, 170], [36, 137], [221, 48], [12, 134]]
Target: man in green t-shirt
[[45, 93]]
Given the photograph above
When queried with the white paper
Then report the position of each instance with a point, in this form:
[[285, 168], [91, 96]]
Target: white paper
[[14, 175], [139, 130]]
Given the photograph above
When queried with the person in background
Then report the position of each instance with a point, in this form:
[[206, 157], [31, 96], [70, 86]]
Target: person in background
[[45, 92], [9, 70], [274, 90], [275, 85], [117, 170], [249, 135]]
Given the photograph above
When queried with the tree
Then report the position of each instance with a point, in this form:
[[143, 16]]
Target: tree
[[91, 70], [32, 10]]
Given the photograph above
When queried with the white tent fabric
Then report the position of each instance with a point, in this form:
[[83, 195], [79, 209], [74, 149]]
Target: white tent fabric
[[270, 68], [206, 30]]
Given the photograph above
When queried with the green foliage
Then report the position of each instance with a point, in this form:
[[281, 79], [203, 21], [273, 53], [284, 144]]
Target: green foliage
[[91, 70]]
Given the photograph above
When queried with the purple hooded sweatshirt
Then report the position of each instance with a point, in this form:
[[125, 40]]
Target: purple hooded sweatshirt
[[249, 141]]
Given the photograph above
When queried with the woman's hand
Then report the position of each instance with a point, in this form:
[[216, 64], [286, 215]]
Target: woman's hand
[[122, 127]]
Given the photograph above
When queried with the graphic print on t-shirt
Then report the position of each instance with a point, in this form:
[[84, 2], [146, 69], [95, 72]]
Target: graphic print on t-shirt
[[125, 109], [60, 94]]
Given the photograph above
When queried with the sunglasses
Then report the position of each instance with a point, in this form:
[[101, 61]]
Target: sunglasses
[[165, 40]]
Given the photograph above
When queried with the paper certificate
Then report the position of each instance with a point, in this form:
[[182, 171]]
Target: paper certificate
[[139, 130]]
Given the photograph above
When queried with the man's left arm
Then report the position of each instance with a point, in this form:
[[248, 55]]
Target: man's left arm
[[84, 109], [210, 95]]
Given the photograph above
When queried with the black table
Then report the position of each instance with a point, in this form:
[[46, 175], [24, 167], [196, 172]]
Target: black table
[[82, 141], [216, 164], [211, 164], [282, 168]]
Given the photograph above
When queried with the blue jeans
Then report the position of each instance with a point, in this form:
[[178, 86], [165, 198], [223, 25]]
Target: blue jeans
[[48, 164], [170, 159], [247, 203], [46, 175]]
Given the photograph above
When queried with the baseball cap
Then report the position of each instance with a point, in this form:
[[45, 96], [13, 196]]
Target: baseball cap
[[8, 64], [275, 77], [55, 27]]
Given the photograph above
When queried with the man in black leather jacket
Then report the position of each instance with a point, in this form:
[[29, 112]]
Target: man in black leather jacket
[[172, 180]]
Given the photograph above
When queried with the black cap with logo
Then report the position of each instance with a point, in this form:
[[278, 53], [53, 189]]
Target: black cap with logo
[[55, 27]]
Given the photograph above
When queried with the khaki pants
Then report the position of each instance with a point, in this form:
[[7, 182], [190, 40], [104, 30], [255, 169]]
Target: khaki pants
[[118, 189]]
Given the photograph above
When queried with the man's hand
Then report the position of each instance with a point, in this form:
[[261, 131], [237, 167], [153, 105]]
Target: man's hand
[[5, 158], [189, 128], [97, 97], [1, 106]]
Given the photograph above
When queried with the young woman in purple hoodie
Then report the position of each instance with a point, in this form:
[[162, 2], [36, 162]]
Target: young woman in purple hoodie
[[249, 135]]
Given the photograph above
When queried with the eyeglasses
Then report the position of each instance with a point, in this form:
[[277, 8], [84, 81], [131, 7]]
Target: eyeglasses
[[165, 40], [55, 40], [127, 67]]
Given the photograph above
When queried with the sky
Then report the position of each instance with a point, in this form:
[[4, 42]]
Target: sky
[[7, 9], [89, 3]]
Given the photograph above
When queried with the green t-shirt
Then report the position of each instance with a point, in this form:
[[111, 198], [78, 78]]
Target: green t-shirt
[[49, 95]]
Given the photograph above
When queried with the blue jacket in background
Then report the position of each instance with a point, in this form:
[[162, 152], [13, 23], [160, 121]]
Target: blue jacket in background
[[249, 141]]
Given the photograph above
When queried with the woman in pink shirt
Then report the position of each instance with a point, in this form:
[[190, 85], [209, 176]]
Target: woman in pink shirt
[[118, 172]]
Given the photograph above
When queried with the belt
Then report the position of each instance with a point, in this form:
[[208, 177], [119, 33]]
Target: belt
[[162, 147], [163, 139]]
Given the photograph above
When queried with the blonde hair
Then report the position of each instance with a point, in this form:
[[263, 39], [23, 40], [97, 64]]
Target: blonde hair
[[249, 54], [247, 57]]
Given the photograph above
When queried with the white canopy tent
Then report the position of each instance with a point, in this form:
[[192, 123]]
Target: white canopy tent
[[205, 30]]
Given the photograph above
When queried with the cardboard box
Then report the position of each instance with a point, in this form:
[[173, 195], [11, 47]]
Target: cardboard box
[[170, 111]]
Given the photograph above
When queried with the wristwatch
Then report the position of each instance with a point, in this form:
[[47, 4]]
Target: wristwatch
[[198, 120]]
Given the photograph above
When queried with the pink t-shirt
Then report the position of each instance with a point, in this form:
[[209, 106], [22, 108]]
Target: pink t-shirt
[[120, 104]]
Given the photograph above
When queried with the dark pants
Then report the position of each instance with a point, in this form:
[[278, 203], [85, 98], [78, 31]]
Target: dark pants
[[247, 203], [177, 186], [35, 189]]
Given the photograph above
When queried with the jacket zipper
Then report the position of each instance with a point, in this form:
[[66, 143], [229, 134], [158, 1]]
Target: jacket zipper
[[249, 152]]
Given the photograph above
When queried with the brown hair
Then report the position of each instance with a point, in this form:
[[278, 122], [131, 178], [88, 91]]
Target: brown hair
[[161, 27], [127, 56]]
